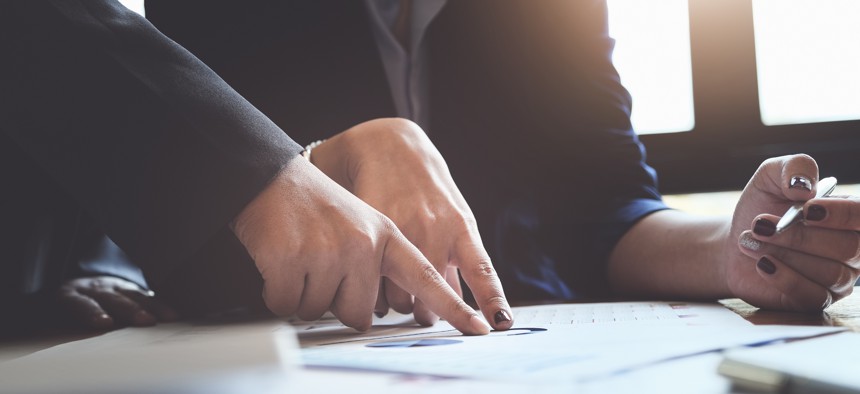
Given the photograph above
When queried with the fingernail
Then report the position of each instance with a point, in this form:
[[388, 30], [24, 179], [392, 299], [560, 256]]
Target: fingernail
[[815, 212], [748, 242], [380, 314], [766, 265], [501, 316], [800, 182], [479, 326], [764, 227]]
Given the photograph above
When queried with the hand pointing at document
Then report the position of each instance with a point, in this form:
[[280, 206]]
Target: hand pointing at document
[[320, 248], [393, 166]]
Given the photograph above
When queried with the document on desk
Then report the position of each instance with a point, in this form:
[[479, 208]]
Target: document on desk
[[135, 358], [571, 342]]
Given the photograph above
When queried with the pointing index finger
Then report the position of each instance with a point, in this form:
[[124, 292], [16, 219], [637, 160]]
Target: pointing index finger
[[480, 276], [407, 267]]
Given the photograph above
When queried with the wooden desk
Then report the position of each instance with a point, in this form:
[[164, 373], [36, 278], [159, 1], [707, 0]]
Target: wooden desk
[[845, 313]]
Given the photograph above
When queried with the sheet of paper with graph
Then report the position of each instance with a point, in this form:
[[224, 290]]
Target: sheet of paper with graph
[[573, 342]]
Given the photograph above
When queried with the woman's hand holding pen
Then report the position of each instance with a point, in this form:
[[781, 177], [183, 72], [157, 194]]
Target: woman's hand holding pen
[[392, 165], [809, 265]]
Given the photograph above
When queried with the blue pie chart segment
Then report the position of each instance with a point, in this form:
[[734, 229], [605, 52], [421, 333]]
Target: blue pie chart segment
[[414, 343]]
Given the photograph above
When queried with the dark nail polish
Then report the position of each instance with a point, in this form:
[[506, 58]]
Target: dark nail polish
[[380, 314], [764, 227], [801, 183], [501, 317], [766, 265], [815, 213]]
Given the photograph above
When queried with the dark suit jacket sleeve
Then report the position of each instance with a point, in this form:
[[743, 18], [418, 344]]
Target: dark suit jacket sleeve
[[160, 150]]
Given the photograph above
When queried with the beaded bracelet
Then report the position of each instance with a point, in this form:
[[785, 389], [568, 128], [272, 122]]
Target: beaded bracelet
[[307, 152]]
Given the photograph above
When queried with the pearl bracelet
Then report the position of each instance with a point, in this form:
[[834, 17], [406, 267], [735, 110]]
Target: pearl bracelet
[[307, 152]]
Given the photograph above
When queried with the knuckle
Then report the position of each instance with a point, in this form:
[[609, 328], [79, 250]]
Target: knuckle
[[484, 269], [429, 276], [497, 300], [466, 222], [388, 129], [363, 242], [457, 304], [387, 225]]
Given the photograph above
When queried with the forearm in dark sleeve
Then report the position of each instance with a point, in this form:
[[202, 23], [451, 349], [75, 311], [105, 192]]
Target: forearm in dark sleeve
[[157, 147]]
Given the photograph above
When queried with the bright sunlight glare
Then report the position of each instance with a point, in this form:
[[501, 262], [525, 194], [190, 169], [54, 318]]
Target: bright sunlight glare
[[652, 54], [808, 60]]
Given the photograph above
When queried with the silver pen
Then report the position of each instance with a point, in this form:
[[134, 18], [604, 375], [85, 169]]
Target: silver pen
[[793, 214]]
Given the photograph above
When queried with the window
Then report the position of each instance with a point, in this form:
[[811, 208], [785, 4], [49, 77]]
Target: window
[[808, 60], [662, 85], [769, 78]]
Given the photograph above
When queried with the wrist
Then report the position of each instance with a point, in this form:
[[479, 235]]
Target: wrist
[[271, 195], [306, 153], [725, 250]]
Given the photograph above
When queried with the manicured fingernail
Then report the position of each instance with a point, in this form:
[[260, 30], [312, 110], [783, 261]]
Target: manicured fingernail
[[380, 314], [502, 317], [766, 265], [748, 242], [800, 182], [815, 213], [764, 227], [479, 326]]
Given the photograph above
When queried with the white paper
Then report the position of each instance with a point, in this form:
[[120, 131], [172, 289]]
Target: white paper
[[135, 358], [576, 342]]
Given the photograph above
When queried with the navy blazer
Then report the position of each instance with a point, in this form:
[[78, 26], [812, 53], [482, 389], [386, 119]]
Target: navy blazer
[[525, 106]]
